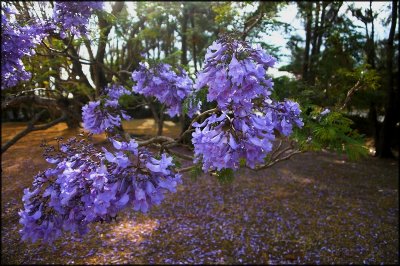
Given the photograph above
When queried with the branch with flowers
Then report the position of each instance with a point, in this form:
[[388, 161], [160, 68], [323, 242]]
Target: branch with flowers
[[88, 183]]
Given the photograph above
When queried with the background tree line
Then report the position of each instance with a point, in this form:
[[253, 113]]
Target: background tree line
[[337, 65]]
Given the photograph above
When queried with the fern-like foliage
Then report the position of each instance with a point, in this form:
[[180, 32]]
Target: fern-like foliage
[[331, 131]]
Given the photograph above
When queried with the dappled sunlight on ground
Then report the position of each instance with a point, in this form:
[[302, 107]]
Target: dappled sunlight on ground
[[116, 244], [148, 127]]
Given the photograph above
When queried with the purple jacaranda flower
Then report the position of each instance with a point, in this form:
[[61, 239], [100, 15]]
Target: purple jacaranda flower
[[114, 92], [140, 202], [163, 83], [87, 185], [99, 117], [74, 16], [325, 112], [17, 42]]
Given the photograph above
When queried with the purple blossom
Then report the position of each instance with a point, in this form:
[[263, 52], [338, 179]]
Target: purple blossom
[[220, 142], [235, 74], [325, 112], [131, 146], [17, 42], [286, 113], [102, 115], [160, 166], [114, 92], [88, 186], [163, 83], [140, 202], [74, 16], [236, 71], [193, 107]]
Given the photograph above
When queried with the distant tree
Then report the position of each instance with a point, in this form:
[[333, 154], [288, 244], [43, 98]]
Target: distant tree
[[392, 95]]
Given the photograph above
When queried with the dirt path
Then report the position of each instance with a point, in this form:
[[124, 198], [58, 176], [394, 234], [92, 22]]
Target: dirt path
[[314, 208]]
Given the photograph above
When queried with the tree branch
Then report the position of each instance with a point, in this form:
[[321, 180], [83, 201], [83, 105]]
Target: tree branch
[[180, 155], [158, 139], [248, 28], [277, 160], [34, 99], [185, 169], [64, 51], [195, 120], [350, 93], [31, 127]]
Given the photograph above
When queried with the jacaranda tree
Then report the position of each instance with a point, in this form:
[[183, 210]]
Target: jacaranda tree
[[88, 184]]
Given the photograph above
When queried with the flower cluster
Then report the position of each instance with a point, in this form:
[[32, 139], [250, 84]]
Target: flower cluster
[[114, 92], [286, 114], [102, 115], [88, 185], [164, 84], [226, 139], [17, 42], [235, 74], [74, 16], [105, 114]]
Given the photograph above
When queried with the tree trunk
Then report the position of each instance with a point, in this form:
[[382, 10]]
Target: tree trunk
[[184, 121], [74, 117], [167, 39], [369, 50], [72, 123], [388, 123], [185, 19], [370, 44], [315, 35], [308, 40], [72, 112], [321, 27], [158, 117], [77, 69], [193, 40], [100, 78], [160, 124]]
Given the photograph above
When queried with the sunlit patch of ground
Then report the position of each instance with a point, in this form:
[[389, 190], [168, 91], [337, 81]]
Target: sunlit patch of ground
[[314, 208], [148, 127]]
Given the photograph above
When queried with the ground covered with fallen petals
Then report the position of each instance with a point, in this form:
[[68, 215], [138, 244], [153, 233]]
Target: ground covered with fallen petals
[[316, 208]]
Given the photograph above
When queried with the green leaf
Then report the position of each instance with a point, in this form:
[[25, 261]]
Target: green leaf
[[126, 100], [176, 161], [226, 175], [196, 171]]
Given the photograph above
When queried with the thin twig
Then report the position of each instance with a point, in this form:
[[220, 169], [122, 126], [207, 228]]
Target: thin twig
[[349, 94], [158, 139], [185, 169], [271, 156], [277, 160], [55, 50], [180, 155], [195, 120]]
